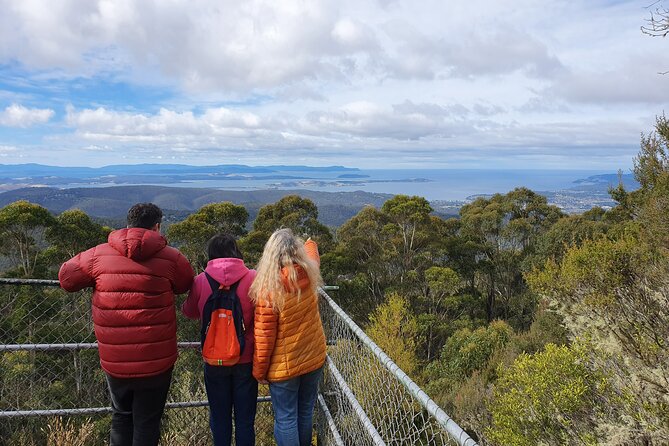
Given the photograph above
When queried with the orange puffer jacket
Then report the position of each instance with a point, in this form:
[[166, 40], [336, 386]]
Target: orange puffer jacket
[[290, 343]]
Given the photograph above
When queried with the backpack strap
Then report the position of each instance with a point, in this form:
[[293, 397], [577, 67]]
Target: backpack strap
[[234, 286], [212, 283]]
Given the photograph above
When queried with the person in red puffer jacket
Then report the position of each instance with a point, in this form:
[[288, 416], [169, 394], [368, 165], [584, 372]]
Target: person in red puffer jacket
[[134, 276], [228, 386]]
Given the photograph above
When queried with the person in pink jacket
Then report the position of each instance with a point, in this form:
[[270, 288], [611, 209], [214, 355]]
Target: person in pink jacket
[[228, 386]]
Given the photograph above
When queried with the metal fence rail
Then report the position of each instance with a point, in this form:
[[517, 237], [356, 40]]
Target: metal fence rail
[[372, 401]]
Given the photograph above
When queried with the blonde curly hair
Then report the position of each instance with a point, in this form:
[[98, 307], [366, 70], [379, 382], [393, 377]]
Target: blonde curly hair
[[283, 251]]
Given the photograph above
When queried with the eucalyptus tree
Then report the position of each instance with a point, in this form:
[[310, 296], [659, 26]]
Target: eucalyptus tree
[[23, 226], [192, 234], [504, 228], [361, 251], [387, 249], [292, 211], [73, 232], [409, 230], [442, 306]]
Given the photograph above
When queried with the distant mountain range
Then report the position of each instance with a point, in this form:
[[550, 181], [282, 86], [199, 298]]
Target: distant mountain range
[[15, 171], [21, 175], [606, 180]]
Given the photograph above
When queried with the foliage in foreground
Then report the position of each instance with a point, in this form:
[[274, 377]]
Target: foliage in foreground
[[551, 397]]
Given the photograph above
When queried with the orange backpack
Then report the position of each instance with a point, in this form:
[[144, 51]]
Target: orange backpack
[[222, 333]]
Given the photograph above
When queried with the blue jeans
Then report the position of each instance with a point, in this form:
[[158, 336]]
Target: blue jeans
[[229, 387], [293, 402]]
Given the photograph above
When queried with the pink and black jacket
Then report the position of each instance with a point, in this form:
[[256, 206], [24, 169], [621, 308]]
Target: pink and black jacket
[[226, 271]]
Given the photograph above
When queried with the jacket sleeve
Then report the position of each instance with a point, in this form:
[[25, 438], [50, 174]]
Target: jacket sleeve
[[190, 307], [264, 330], [183, 276], [75, 274], [312, 251]]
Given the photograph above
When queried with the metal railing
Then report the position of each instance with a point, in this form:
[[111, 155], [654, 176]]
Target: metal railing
[[49, 368], [372, 401]]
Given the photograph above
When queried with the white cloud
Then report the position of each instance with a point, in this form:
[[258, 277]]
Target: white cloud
[[504, 50], [96, 148], [19, 116], [165, 126], [215, 44], [468, 53], [203, 46], [636, 79], [352, 121], [406, 121], [237, 47], [353, 34]]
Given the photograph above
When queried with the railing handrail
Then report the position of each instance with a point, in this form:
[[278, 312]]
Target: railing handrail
[[51, 282], [70, 346], [94, 410], [348, 393], [454, 430], [38, 282]]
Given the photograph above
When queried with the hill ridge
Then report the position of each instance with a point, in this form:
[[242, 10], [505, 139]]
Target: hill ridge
[[113, 202]]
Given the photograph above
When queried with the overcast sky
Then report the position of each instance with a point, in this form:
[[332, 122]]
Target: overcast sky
[[377, 83]]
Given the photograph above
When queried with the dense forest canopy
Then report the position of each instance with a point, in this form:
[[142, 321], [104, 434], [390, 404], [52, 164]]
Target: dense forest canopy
[[527, 325]]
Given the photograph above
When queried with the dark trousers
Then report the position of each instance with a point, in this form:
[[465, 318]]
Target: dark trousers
[[137, 407], [229, 387]]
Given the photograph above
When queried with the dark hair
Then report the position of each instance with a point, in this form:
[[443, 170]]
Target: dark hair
[[223, 246], [144, 215]]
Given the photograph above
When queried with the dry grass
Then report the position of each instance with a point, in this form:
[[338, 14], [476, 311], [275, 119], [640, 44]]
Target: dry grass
[[61, 432]]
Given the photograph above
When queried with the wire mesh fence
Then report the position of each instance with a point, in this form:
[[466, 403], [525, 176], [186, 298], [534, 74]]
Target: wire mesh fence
[[369, 400], [52, 390]]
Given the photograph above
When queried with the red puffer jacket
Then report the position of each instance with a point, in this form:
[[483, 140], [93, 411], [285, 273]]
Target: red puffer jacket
[[135, 276]]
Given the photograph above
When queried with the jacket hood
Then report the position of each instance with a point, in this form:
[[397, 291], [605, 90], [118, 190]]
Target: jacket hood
[[303, 281], [226, 271], [137, 243]]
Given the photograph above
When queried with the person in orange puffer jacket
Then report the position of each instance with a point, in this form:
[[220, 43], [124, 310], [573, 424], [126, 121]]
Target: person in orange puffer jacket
[[289, 339]]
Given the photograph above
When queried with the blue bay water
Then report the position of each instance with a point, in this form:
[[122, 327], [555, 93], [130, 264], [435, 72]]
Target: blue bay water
[[441, 184]]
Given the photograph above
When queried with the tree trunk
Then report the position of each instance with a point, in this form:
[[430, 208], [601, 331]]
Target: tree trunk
[[490, 304]]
